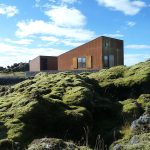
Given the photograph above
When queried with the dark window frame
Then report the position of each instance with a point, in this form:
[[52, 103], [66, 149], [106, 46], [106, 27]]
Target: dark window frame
[[81, 61], [106, 61]]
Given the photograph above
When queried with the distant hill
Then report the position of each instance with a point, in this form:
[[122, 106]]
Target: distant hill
[[108, 105], [16, 67]]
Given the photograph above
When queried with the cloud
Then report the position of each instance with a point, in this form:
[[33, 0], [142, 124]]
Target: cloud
[[131, 23], [10, 54], [64, 22], [67, 42], [8, 10], [49, 39], [137, 46], [66, 17], [30, 28], [69, 1], [115, 35], [128, 7], [131, 59], [19, 42]]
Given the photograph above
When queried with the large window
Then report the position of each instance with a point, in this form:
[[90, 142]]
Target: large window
[[111, 61], [81, 62], [106, 43], [106, 61]]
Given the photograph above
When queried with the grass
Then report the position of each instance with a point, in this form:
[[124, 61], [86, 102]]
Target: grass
[[12, 74]]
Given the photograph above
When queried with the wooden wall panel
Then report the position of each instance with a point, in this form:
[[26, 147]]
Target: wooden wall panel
[[88, 62], [75, 63]]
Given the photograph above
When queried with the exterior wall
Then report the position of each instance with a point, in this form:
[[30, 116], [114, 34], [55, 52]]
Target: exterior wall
[[91, 50], [37, 63], [115, 48], [52, 62], [94, 52], [34, 65]]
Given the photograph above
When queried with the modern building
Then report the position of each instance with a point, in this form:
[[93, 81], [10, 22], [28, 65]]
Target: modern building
[[42, 63], [102, 52]]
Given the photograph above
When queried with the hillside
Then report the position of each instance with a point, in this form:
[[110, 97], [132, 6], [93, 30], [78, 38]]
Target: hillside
[[107, 105]]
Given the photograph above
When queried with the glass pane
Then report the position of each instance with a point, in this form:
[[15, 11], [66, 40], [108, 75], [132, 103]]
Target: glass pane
[[106, 61], [79, 59], [81, 62], [111, 60]]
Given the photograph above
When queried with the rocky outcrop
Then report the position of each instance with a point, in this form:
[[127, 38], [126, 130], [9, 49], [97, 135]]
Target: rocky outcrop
[[54, 144], [142, 125], [140, 135]]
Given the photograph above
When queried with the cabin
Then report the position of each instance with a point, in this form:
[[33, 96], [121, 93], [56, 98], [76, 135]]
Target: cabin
[[42, 63], [100, 53]]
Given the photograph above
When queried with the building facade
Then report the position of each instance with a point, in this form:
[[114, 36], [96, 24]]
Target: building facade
[[102, 52], [43, 63]]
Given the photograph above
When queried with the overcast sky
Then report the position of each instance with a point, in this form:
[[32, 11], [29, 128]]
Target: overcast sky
[[29, 28]]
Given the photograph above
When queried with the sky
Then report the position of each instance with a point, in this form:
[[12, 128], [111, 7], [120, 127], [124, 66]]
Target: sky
[[29, 28]]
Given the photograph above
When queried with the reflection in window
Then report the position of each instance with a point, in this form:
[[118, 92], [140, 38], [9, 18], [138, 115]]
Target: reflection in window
[[106, 61], [106, 64], [106, 43], [111, 61], [82, 62]]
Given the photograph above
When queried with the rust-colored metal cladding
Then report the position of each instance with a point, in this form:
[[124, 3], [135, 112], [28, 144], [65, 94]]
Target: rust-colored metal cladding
[[43, 63], [102, 52], [92, 49]]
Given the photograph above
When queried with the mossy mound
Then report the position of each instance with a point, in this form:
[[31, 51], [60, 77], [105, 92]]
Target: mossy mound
[[136, 134], [70, 89], [124, 82], [63, 105], [133, 108], [25, 115], [135, 142], [54, 144], [3, 89]]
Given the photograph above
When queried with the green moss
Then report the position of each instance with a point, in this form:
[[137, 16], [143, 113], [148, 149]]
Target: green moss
[[144, 101], [137, 142], [61, 105], [53, 143], [41, 116], [129, 106], [78, 96], [123, 82]]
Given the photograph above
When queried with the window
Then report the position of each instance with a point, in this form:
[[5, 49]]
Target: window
[[111, 61], [82, 62], [106, 43], [106, 64]]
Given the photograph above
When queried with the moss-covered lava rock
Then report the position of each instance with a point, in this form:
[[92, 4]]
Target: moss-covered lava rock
[[63, 105], [54, 144]]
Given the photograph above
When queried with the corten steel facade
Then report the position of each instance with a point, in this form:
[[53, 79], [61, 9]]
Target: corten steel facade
[[43, 63], [102, 52]]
